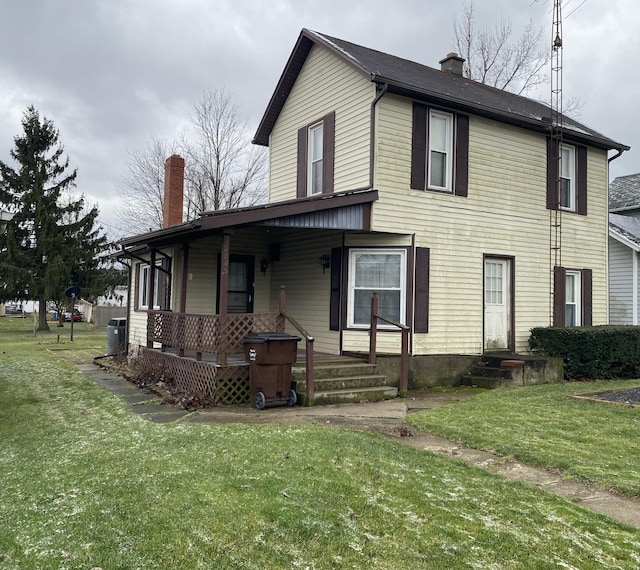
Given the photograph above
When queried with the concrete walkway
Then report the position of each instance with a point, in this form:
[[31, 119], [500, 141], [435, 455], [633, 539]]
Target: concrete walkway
[[386, 418]]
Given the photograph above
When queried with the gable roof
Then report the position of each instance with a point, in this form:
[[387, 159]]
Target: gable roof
[[625, 229], [411, 79], [624, 193]]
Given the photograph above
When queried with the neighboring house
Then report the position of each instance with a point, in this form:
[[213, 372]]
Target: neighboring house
[[437, 192], [624, 250]]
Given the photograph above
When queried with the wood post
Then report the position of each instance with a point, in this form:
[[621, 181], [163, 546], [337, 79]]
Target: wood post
[[373, 330]]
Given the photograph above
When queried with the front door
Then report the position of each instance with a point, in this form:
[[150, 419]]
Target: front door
[[497, 303], [241, 275]]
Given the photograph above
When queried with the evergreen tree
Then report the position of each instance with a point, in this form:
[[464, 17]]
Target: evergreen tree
[[52, 242]]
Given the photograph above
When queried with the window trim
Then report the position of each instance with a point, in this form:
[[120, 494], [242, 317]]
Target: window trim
[[328, 123], [311, 147], [351, 257], [142, 284], [571, 177], [577, 294]]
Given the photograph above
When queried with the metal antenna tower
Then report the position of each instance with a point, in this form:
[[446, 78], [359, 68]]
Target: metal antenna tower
[[555, 157]]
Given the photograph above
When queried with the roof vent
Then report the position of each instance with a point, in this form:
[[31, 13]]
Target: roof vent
[[452, 63]]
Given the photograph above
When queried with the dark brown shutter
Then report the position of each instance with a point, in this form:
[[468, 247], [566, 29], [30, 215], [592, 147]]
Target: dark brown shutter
[[587, 297], [301, 185], [136, 286], [336, 280], [328, 151], [461, 176], [581, 180], [421, 304], [552, 174], [559, 295], [419, 147]]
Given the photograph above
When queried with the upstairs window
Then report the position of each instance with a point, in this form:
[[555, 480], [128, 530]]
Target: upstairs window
[[316, 152], [439, 150], [566, 177]]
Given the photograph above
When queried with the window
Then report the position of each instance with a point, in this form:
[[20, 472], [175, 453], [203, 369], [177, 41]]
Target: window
[[572, 304], [315, 138], [377, 270], [160, 286], [571, 195], [316, 153], [568, 178], [439, 150]]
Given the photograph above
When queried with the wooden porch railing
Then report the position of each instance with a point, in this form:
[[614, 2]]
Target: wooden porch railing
[[404, 348], [310, 387], [207, 334]]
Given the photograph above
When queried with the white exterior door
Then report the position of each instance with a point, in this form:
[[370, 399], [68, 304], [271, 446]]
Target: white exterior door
[[497, 303]]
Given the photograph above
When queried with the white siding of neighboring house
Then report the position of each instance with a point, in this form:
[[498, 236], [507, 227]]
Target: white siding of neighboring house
[[621, 283], [324, 84]]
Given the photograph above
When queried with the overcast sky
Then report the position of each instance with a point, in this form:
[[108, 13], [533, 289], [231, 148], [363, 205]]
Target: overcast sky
[[112, 74]]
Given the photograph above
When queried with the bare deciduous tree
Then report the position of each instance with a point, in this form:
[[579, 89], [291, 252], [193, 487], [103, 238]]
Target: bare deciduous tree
[[143, 189], [494, 58], [224, 170]]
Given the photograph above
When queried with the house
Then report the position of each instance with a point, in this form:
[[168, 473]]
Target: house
[[624, 250], [448, 198]]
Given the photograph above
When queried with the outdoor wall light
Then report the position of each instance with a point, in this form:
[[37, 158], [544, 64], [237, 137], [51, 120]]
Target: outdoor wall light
[[264, 265], [325, 261]]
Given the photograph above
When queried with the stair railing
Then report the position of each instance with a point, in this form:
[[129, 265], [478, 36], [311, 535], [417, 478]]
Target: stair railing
[[310, 388], [404, 345]]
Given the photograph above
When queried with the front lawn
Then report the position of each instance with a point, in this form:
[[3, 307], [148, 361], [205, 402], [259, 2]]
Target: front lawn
[[541, 425], [87, 484]]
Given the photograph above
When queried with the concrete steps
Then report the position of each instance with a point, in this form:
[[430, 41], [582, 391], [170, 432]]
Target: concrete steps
[[341, 383], [508, 369]]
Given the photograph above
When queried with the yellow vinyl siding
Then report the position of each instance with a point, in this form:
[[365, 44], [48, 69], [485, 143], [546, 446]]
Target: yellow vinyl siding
[[324, 84], [504, 214]]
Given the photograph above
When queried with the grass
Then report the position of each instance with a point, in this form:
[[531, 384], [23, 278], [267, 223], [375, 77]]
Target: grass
[[88, 484], [543, 426]]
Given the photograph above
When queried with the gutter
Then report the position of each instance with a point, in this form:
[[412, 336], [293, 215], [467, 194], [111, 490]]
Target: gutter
[[382, 89]]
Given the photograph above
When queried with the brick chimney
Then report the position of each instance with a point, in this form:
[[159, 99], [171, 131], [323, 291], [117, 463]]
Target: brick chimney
[[452, 63], [173, 191]]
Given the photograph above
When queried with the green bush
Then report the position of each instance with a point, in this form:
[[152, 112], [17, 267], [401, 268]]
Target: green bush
[[591, 352]]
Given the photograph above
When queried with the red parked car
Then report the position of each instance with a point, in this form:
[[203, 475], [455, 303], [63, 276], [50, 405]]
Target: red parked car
[[77, 316]]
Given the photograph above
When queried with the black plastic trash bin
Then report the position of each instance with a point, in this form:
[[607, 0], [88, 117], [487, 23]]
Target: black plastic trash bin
[[270, 356], [116, 335]]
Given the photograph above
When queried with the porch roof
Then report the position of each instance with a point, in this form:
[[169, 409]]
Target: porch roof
[[341, 210]]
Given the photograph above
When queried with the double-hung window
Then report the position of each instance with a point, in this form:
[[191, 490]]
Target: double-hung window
[[572, 302], [382, 271], [568, 178], [314, 153], [439, 150], [144, 277]]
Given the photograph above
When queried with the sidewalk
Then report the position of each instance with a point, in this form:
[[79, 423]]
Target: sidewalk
[[385, 418]]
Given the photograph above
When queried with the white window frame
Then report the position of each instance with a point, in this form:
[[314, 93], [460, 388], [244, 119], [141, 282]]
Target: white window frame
[[447, 150], [568, 172], [311, 148], [577, 297], [353, 254], [143, 287]]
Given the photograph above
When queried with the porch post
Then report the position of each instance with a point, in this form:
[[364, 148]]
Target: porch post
[[150, 290], [224, 288], [183, 291], [404, 364]]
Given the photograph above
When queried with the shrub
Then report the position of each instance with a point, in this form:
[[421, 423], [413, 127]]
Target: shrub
[[591, 352]]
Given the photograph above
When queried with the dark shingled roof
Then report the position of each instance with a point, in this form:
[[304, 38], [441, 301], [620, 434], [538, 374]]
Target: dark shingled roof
[[626, 226], [420, 82], [624, 193]]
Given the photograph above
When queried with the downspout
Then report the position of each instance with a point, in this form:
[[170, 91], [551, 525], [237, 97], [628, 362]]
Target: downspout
[[382, 89]]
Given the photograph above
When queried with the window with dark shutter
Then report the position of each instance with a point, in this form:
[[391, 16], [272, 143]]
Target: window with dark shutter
[[439, 150], [316, 157], [572, 297], [566, 189]]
